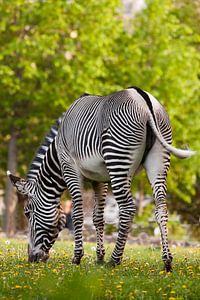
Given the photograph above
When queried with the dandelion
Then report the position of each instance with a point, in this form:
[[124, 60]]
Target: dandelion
[[33, 65], [118, 286], [164, 295], [131, 296], [184, 286], [18, 286], [189, 267], [26, 287], [152, 270], [108, 293], [68, 55], [73, 34], [162, 272]]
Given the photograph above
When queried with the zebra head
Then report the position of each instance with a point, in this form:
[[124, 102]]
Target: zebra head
[[44, 223]]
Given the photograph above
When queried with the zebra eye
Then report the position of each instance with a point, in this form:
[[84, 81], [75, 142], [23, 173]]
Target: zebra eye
[[27, 212]]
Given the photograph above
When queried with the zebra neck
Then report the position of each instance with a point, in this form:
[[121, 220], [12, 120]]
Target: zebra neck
[[49, 182]]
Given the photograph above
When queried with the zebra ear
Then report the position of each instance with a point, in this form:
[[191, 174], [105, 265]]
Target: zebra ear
[[21, 184]]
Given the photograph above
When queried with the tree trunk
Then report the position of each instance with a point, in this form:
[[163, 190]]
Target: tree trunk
[[10, 197], [141, 197]]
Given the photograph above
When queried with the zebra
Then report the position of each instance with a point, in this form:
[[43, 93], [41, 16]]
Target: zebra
[[103, 139]]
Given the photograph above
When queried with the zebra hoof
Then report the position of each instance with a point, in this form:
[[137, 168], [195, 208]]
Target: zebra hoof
[[112, 263], [100, 262], [76, 261], [168, 266]]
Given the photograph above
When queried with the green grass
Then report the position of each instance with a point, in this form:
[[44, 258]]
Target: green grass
[[140, 276]]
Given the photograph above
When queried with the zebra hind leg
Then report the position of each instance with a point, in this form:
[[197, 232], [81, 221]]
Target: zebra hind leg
[[127, 209], [100, 190], [157, 173], [72, 180], [161, 216]]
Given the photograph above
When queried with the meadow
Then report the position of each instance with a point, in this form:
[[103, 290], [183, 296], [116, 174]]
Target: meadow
[[140, 276]]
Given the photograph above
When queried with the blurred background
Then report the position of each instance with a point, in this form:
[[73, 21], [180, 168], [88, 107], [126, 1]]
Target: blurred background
[[51, 52]]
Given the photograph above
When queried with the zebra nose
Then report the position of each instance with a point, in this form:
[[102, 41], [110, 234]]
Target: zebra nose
[[31, 258], [38, 257]]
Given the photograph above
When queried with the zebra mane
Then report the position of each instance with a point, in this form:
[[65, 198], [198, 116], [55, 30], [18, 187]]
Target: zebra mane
[[40, 154]]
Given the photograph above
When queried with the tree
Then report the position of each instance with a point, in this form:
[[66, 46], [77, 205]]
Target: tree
[[53, 51], [48, 53], [159, 54]]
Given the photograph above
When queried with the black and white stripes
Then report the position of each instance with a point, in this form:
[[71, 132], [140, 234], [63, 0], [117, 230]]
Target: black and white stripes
[[101, 138], [107, 139]]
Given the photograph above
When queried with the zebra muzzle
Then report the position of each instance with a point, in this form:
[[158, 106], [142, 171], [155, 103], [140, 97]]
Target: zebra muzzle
[[38, 257]]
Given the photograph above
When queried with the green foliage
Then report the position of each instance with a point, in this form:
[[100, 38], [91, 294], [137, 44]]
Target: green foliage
[[146, 216], [139, 277], [161, 54], [53, 51], [110, 228]]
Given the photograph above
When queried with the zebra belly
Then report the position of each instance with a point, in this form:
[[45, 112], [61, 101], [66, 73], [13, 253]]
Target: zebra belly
[[94, 168]]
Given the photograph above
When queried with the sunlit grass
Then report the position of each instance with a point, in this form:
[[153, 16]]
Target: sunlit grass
[[140, 276]]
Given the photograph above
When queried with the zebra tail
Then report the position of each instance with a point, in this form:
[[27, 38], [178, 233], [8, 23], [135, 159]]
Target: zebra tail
[[175, 151]]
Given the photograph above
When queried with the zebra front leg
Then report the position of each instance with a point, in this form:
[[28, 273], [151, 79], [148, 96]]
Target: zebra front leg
[[127, 209], [77, 219], [72, 180], [100, 190]]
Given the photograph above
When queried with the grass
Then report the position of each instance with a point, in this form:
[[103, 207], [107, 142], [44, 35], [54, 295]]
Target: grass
[[140, 276]]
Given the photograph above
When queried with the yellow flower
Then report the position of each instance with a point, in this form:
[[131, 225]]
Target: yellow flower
[[118, 286], [184, 286], [108, 292], [131, 296], [164, 295], [18, 286], [172, 298], [162, 272], [54, 270], [189, 267]]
